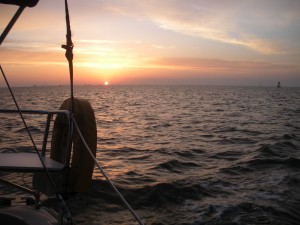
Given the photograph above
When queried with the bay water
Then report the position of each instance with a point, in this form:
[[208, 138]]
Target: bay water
[[181, 154]]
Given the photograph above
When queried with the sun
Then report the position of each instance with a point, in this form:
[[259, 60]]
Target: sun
[[106, 83]]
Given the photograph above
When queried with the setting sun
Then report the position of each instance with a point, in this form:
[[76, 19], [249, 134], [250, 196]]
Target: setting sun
[[106, 83]]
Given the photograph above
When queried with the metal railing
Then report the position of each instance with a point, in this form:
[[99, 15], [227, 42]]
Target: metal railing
[[49, 114]]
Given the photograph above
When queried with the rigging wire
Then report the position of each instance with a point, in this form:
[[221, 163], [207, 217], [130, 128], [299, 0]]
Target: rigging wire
[[11, 23], [65, 212], [105, 175]]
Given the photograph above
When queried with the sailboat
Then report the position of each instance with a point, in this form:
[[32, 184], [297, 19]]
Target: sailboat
[[69, 167], [278, 84]]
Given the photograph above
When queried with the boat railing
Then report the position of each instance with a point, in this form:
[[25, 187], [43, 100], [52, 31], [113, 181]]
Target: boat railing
[[30, 162], [49, 114]]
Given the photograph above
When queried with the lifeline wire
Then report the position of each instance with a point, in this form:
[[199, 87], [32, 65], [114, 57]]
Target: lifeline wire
[[105, 175]]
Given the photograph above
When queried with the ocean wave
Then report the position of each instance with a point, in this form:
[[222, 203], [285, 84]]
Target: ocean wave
[[32, 129], [121, 151], [175, 166], [211, 156], [164, 193], [158, 194], [269, 163], [293, 181], [236, 140], [246, 213], [18, 149], [280, 153], [237, 170], [191, 154], [228, 155]]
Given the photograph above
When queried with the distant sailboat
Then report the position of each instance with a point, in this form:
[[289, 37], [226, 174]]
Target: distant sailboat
[[278, 84]]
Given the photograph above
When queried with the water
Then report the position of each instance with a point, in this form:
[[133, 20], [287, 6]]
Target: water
[[182, 154]]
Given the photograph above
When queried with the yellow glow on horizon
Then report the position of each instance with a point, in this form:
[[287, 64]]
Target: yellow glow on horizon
[[106, 83], [108, 66], [107, 62]]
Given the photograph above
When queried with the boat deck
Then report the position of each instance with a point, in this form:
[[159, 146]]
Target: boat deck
[[27, 162]]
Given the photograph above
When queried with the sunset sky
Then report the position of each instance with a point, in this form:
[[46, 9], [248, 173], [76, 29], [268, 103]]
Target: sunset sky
[[215, 42]]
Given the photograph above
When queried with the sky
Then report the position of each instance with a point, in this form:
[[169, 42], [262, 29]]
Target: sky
[[175, 42]]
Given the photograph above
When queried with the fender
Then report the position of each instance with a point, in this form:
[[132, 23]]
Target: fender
[[82, 165]]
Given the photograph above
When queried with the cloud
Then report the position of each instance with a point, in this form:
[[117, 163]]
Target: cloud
[[225, 66], [257, 25], [268, 27]]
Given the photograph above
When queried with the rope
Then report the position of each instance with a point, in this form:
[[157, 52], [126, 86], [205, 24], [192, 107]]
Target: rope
[[69, 51], [105, 175], [69, 55]]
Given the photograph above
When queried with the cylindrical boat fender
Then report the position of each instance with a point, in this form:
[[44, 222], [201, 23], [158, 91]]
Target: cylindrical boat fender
[[82, 165]]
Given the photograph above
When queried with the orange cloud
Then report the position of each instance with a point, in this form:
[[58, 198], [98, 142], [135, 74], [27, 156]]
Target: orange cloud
[[219, 66]]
